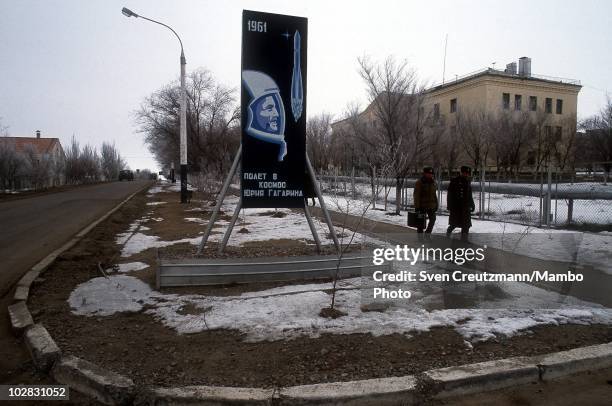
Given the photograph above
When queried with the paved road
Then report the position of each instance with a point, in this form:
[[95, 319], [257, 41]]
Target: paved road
[[30, 229], [33, 227]]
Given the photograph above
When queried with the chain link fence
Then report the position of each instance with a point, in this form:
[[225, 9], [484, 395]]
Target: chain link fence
[[580, 201]]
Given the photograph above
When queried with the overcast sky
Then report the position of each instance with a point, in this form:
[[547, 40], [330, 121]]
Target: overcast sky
[[80, 67]]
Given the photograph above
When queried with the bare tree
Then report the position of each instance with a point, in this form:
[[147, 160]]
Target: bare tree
[[565, 149], [74, 173], [361, 133], [397, 98], [212, 122], [111, 162], [512, 133], [543, 141], [11, 162], [598, 130], [82, 164], [318, 139], [474, 128], [37, 167]]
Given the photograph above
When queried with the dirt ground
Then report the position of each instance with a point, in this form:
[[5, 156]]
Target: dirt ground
[[136, 345]]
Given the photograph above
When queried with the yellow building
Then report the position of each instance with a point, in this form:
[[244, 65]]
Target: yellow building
[[494, 90], [550, 101]]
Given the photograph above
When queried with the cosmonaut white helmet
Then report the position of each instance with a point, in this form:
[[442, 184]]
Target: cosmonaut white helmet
[[266, 112]]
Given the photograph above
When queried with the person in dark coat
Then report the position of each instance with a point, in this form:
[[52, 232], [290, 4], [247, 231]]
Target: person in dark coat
[[426, 199], [460, 203]]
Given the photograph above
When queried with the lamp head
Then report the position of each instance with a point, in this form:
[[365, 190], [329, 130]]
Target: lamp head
[[128, 13]]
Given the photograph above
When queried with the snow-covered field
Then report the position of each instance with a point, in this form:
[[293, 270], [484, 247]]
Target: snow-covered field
[[594, 249], [507, 207], [291, 311]]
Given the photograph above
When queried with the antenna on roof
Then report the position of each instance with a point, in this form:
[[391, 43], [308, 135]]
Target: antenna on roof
[[444, 66]]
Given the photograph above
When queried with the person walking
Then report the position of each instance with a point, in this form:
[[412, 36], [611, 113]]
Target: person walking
[[426, 199], [460, 203]]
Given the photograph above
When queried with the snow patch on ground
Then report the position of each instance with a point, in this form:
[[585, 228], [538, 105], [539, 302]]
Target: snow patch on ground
[[293, 311], [155, 203], [119, 293], [140, 242], [155, 189], [128, 267], [196, 220], [262, 226]]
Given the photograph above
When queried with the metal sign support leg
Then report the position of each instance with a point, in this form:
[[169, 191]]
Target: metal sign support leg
[[230, 227], [332, 230], [220, 198], [312, 226]]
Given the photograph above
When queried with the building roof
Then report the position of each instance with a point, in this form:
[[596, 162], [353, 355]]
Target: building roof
[[496, 73], [41, 145], [501, 73]]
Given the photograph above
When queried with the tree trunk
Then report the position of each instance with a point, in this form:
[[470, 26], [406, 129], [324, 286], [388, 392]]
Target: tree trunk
[[398, 194], [372, 186]]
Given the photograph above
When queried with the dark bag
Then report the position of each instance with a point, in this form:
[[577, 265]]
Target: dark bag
[[416, 219]]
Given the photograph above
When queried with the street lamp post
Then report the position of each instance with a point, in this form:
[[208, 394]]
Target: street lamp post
[[183, 119]]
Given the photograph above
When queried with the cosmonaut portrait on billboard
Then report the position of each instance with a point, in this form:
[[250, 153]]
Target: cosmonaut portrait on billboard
[[273, 103]]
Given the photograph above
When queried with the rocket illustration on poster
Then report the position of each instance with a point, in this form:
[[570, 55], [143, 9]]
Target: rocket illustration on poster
[[273, 109]]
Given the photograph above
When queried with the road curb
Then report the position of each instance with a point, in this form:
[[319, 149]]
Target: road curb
[[42, 348], [83, 376], [20, 317], [383, 391], [576, 360], [482, 376], [205, 395], [111, 388]]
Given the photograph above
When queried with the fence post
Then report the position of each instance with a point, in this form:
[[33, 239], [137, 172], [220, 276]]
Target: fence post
[[375, 191], [336, 181], [439, 179], [353, 183], [482, 193], [570, 211], [549, 195], [541, 199], [385, 183], [556, 195]]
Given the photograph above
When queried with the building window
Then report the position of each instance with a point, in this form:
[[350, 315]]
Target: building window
[[436, 111], [558, 133], [548, 105], [533, 103], [547, 132], [518, 100], [453, 105], [506, 100], [559, 106]]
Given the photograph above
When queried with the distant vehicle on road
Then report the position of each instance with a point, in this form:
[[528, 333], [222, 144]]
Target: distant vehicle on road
[[126, 174]]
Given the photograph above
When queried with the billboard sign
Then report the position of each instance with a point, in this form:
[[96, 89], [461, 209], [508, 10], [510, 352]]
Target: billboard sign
[[273, 109]]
